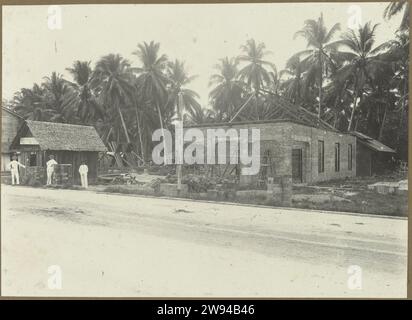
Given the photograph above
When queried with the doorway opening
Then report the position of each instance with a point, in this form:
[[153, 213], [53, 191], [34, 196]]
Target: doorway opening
[[33, 159]]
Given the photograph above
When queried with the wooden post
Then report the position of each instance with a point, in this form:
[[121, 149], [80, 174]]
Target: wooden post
[[163, 134], [180, 150], [140, 138]]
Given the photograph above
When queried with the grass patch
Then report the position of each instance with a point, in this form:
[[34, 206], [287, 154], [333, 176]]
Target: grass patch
[[353, 193], [369, 202]]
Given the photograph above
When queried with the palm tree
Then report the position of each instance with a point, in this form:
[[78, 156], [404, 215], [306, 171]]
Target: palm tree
[[293, 86], [152, 80], [82, 97], [396, 7], [319, 44], [29, 103], [274, 83], [199, 115], [380, 102], [114, 84], [398, 57], [55, 90], [178, 78], [362, 59], [338, 97], [255, 74], [227, 92]]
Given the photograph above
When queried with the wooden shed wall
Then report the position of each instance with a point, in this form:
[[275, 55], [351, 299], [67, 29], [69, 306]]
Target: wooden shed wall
[[63, 157]]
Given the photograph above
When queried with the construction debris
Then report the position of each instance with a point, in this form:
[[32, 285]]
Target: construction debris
[[389, 187]]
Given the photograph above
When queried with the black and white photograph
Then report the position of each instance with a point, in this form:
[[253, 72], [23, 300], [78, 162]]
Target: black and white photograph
[[232, 150]]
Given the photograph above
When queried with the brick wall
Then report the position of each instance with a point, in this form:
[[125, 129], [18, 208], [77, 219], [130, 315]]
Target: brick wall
[[282, 137], [276, 138], [329, 138]]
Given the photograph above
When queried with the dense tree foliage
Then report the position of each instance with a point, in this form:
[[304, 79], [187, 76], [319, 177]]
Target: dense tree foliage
[[345, 77]]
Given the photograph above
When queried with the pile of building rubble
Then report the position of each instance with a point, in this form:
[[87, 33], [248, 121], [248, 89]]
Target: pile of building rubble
[[400, 187]]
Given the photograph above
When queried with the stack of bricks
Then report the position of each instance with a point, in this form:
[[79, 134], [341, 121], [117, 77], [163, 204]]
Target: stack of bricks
[[63, 174]]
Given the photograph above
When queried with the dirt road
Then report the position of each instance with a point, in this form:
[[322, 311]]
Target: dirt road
[[114, 245]]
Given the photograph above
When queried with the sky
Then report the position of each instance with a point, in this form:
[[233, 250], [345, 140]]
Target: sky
[[198, 34]]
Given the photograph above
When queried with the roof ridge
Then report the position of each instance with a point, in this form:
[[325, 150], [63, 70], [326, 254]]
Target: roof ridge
[[63, 136], [63, 124]]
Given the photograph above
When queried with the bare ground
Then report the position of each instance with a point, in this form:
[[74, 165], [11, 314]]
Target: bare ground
[[113, 245]]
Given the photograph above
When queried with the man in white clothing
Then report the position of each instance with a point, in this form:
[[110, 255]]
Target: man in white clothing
[[50, 168], [83, 170], [14, 169]]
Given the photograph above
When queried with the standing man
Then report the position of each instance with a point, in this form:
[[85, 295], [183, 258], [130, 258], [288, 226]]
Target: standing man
[[14, 169], [50, 168], [83, 170]]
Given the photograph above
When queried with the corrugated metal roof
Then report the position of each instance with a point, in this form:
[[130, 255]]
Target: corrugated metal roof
[[372, 143]]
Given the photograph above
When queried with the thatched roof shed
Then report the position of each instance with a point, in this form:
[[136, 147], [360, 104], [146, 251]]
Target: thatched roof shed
[[69, 144], [60, 136]]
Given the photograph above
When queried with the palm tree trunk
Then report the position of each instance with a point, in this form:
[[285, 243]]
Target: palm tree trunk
[[123, 124], [402, 111], [368, 117], [335, 120], [232, 110], [320, 86], [320, 99], [401, 129], [108, 134], [256, 104], [140, 137], [353, 109], [356, 123], [383, 123], [179, 166]]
